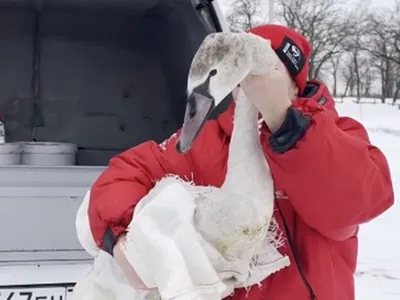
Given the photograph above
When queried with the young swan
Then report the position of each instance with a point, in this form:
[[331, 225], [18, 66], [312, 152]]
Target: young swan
[[235, 217]]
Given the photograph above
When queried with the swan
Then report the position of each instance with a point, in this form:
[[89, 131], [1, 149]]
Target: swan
[[235, 219]]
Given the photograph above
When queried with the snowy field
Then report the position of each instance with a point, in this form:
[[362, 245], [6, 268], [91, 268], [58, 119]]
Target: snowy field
[[378, 274]]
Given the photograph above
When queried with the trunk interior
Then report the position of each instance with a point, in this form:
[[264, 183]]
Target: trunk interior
[[105, 75]]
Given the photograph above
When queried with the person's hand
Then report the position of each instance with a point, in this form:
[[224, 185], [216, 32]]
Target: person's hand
[[271, 94]]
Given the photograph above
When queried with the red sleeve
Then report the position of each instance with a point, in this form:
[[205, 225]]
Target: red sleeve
[[334, 178], [131, 175], [126, 180]]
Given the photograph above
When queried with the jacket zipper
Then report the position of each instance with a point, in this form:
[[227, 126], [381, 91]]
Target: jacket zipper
[[292, 246]]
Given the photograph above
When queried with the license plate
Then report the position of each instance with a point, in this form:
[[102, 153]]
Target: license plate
[[53, 293]]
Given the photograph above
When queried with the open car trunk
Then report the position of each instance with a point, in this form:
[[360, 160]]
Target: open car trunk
[[103, 74]]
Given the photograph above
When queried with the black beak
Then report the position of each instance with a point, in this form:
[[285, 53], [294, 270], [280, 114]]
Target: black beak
[[198, 108]]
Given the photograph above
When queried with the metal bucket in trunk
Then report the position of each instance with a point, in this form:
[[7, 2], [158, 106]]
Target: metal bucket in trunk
[[48, 154], [10, 154]]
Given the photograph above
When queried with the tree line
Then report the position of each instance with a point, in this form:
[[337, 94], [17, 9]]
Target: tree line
[[355, 45]]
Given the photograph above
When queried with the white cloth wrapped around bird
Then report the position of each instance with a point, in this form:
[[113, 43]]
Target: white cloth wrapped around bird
[[201, 242]]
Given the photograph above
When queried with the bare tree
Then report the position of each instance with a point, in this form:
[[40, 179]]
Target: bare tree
[[347, 73], [396, 85], [323, 22], [353, 47], [358, 74], [384, 46], [335, 64], [368, 76], [246, 14], [383, 54]]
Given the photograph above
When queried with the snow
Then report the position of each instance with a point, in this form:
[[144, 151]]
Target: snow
[[378, 272]]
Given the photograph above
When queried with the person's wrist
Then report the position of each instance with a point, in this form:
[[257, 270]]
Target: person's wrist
[[274, 117]]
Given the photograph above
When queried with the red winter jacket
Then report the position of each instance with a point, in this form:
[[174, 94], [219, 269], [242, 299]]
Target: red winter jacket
[[331, 181]]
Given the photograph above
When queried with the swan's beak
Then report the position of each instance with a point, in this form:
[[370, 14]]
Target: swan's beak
[[198, 109]]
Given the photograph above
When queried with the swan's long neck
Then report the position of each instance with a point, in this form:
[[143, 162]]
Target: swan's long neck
[[245, 151], [246, 160]]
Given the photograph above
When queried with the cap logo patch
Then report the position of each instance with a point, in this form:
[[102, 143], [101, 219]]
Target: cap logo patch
[[291, 56]]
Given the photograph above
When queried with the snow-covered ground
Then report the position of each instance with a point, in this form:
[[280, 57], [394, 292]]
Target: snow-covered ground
[[378, 273]]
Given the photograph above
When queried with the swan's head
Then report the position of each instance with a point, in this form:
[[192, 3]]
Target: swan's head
[[219, 65]]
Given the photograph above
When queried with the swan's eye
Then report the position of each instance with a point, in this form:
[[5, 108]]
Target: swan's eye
[[213, 72]]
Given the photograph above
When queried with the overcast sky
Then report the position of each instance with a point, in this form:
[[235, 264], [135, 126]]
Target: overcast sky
[[381, 2], [374, 3]]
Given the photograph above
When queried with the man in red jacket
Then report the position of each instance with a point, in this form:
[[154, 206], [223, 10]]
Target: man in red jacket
[[328, 177]]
